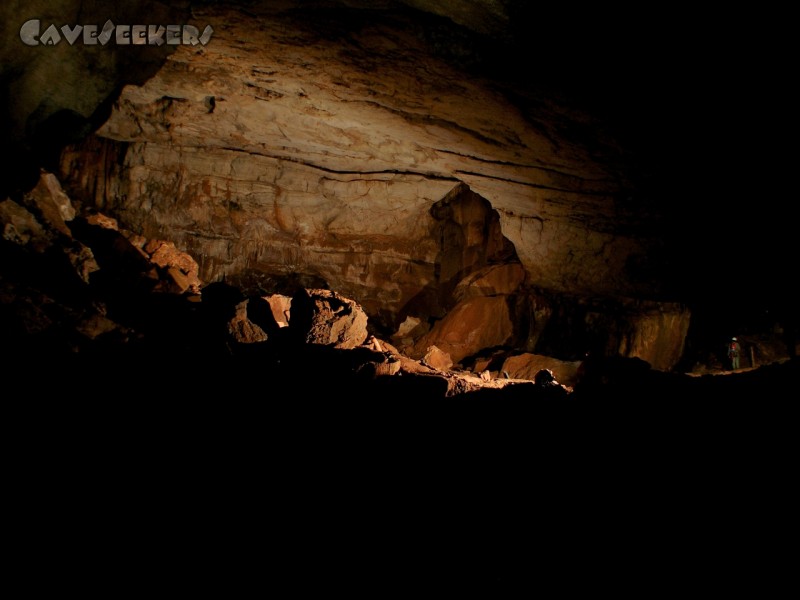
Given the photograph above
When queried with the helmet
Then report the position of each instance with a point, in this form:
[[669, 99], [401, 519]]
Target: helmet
[[733, 339]]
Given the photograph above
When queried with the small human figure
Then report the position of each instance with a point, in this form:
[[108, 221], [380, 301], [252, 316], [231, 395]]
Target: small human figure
[[734, 349]]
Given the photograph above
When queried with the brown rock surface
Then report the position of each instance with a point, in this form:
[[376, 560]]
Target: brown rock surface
[[107, 222], [653, 332], [327, 318], [242, 329], [437, 359], [525, 366], [21, 227], [274, 155], [181, 268], [281, 308], [325, 152], [657, 337], [493, 280], [324, 161], [472, 325], [48, 201], [82, 259]]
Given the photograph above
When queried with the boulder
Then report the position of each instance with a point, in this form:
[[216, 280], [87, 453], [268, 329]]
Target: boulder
[[327, 318], [21, 227], [281, 307], [437, 359], [242, 329], [525, 366], [50, 203], [167, 256], [471, 326], [106, 222], [82, 260]]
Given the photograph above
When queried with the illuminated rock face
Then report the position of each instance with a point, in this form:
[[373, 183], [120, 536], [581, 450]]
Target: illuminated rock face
[[277, 149], [324, 317], [348, 156]]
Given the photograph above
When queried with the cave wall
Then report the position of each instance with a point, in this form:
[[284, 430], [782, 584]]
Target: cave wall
[[284, 146], [326, 151]]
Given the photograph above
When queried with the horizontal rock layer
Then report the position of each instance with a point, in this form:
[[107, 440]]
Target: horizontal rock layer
[[351, 156], [282, 147]]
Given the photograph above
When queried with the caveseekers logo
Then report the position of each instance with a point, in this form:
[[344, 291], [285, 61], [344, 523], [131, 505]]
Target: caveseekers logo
[[91, 35]]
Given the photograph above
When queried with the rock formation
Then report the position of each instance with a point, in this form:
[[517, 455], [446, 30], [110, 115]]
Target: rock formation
[[343, 236], [394, 178], [370, 156], [324, 317]]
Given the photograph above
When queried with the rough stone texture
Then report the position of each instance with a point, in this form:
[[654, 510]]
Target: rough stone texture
[[491, 281], [107, 222], [159, 260], [48, 201], [321, 158], [180, 267], [177, 281], [652, 332], [279, 153], [481, 365], [327, 318], [45, 217], [471, 326], [525, 366], [82, 260], [281, 307], [384, 258], [412, 328], [21, 227], [95, 325], [437, 359], [242, 329], [657, 337], [407, 327], [385, 360], [388, 368], [53, 95]]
